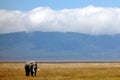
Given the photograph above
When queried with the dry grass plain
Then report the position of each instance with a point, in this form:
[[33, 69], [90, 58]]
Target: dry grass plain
[[62, 71]]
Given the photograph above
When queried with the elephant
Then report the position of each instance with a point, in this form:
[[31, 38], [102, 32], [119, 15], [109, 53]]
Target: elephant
[[31, 67]]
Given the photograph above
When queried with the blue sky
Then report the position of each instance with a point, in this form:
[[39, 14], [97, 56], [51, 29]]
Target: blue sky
[[26, 5]]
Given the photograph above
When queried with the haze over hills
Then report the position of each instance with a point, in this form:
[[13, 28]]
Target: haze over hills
[[59, 46]]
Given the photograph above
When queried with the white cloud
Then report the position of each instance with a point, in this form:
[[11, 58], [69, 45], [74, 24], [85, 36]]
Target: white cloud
[[89, 20]]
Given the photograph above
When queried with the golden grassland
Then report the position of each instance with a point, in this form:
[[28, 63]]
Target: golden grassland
[[62, 71]]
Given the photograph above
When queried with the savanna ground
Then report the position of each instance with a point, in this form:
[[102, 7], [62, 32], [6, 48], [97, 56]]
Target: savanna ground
[[62, 71]]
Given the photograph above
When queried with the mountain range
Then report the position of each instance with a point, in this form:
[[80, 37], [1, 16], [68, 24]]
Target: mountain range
[[59, 46]]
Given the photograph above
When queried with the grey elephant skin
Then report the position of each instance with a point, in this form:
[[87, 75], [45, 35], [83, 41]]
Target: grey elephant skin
[[31, 68]]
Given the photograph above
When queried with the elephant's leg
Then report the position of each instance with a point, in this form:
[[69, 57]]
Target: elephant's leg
[[31, 70], [31, 73], [27, 70], [35, 72]]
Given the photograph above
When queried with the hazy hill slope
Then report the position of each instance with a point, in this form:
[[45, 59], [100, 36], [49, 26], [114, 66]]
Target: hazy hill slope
[[57, 46]]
